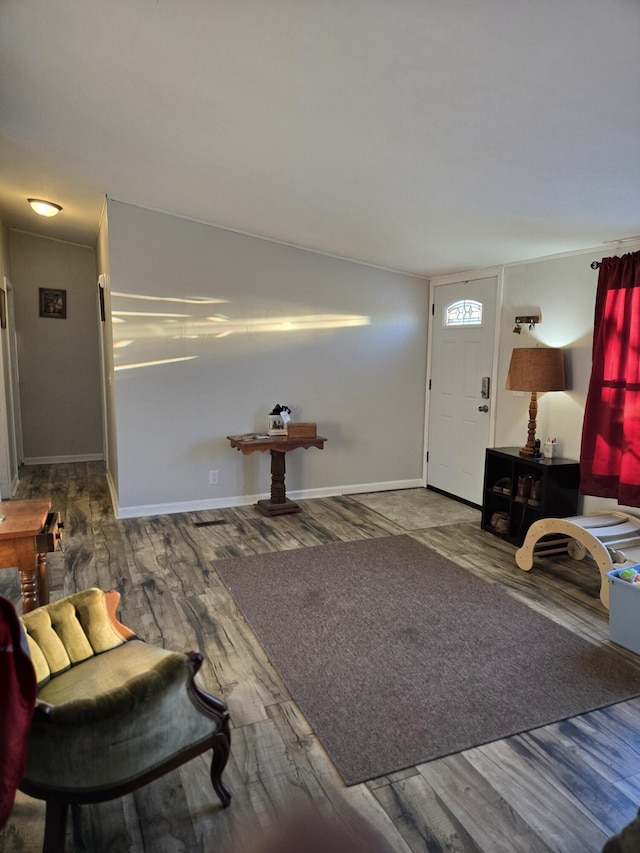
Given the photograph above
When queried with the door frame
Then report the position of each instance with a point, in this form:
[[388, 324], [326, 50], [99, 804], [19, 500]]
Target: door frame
[[459, 278], [101, 292], [10, 383]]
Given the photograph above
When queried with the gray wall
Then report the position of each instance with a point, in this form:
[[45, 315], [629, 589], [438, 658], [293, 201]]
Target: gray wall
[[58, 359], [343, 344], [562, 289], [5, 267]]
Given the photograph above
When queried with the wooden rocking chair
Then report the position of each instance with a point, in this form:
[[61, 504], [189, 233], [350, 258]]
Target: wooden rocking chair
[[610, 538]]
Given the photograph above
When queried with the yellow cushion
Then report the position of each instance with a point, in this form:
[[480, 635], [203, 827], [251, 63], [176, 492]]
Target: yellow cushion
[[40, 631], [39, 661], [69, 631]]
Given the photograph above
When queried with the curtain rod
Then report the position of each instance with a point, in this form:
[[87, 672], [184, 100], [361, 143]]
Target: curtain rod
[[595, 265]]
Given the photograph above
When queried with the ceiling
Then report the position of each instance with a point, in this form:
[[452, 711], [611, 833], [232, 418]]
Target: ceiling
[[429, 136]]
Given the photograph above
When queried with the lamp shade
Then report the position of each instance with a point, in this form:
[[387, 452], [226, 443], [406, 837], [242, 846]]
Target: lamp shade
[[536, 369]]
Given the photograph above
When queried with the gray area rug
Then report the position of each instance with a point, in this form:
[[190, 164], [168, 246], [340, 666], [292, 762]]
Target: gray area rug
[[397, 656]]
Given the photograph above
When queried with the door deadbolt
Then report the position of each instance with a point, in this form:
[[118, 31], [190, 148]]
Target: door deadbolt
[[483, 408]]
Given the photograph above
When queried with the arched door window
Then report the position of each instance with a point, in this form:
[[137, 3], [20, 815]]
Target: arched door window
[[464, 312]]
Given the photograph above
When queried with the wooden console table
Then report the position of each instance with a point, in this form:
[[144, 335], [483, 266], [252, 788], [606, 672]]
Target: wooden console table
[[28, 531], [278, 445]]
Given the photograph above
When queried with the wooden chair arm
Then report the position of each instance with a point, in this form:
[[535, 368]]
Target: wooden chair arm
[[112, 599]]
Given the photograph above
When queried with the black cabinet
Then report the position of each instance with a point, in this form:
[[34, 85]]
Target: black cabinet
[[548, 489]]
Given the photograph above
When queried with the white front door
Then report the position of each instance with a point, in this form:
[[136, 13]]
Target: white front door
[[461, 392]]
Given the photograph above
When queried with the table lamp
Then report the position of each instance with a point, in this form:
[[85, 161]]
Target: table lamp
[[535, 369]]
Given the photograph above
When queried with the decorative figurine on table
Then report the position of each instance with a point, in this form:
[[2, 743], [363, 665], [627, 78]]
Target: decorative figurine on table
[[279, 417]]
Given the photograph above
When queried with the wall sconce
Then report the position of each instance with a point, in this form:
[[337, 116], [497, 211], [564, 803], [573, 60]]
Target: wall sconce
[[530, 320], [44, 208]]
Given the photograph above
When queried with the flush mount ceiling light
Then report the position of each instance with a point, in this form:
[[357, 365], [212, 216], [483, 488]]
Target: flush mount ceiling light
[[44, 208]]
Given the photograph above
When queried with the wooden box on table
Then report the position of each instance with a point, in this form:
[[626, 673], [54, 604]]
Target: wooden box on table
[[301, 430]]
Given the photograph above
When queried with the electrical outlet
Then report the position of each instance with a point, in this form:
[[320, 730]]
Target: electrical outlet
[[213, 478]]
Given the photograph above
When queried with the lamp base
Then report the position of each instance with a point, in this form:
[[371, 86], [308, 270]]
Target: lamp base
[[526, 453], [529, 450]]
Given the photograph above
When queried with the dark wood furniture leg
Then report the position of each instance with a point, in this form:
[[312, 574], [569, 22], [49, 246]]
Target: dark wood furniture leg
[[279, 503], [221, 749], [55, 827], [42, 571], [29, 578]]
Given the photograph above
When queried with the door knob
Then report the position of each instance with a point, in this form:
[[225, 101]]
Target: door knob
[[484, 408]]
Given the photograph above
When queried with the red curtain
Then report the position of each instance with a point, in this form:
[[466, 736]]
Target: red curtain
[[18, 691], [610, 454]]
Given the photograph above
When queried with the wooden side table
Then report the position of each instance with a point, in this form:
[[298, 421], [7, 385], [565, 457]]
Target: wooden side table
[[278, 446], [28, 531]]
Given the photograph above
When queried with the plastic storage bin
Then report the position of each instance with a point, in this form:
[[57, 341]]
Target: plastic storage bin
[[624, 610]]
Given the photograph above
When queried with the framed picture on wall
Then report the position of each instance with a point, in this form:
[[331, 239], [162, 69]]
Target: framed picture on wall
[[53, 303]]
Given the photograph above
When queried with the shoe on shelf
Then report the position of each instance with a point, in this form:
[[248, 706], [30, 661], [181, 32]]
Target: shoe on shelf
[[535, 494], [500, 522], [503, 486], [502, 526], [524, 488]]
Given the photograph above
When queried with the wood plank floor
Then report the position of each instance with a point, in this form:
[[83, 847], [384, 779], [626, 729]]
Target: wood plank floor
[[565, 787]]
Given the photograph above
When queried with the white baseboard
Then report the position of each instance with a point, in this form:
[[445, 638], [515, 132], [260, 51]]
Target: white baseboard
[[391, 486], [60, 460], [246, 500], [114, 494], [6, 494]]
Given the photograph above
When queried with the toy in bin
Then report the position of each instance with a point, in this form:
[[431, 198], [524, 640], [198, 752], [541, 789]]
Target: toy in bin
[[629, 574]]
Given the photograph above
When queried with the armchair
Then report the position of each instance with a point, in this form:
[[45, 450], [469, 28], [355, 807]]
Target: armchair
[[112, 713]]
